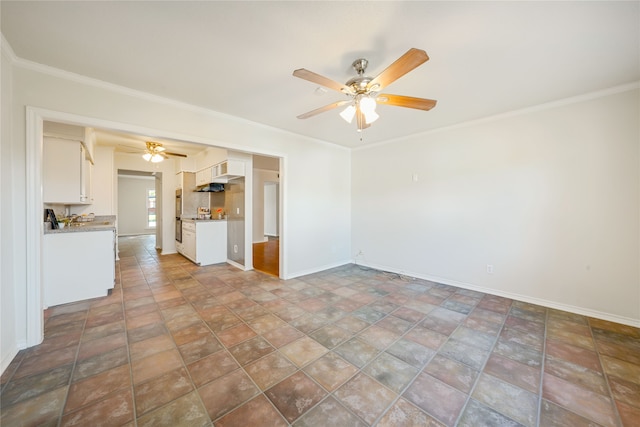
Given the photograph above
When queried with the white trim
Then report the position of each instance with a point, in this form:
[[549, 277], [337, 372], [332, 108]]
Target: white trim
[[541, 107], [284, 265], [8, 358], [34, 228], [318, 269], [8, 50], [78, 78], [518, 297], [238, 265]]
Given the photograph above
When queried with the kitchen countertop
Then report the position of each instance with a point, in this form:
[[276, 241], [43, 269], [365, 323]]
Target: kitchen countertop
[[100, 223], [202, 220]]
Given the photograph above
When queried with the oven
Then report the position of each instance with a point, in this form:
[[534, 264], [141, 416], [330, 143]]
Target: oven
[[179, 203], [178, 230], [179, 215]]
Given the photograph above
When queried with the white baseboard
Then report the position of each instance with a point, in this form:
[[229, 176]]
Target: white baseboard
[[316, 270], [524, 298], [237, 265], [7, 358]]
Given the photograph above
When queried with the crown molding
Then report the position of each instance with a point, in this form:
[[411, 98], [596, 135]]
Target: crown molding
[[7, 50], [101, 84], [540, 107]]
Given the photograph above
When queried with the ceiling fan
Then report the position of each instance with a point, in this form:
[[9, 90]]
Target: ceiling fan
[[155, 152], [364, 92]]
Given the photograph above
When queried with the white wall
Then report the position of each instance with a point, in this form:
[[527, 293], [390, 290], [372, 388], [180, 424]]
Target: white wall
[[260, 176], [271, 197], [549, 197], [314, 174], [132, 204]]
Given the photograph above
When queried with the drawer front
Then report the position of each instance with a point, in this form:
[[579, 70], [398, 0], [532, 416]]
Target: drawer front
[[189, 226]]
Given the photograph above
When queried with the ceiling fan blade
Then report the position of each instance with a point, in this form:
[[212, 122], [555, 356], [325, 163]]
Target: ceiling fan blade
[[173, 154], [321, 80], [406, 101], [323, 109], [407, 62]]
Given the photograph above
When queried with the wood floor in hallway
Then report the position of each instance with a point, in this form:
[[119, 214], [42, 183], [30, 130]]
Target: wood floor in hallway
[[266, 256]]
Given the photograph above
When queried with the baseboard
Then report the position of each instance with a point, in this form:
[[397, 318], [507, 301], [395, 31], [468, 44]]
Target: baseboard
[[237, 265], [8, 358], [316, 270], [514, 296]]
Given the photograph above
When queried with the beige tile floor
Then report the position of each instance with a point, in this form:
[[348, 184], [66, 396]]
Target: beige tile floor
[[176, 344]]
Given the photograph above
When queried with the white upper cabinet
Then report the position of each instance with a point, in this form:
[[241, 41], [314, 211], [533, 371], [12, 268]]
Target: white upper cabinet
[[66, 172]]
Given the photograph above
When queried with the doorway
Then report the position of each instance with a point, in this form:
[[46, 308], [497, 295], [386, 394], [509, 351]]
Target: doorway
[[266, 214]]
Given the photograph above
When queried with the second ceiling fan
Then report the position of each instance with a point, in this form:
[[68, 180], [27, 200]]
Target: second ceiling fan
[[155, 153], [364, 92]]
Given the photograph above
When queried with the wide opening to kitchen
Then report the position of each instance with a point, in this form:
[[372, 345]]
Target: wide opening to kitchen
[[209, 204]]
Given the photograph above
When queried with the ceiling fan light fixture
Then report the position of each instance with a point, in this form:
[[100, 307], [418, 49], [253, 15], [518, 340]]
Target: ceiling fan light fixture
[[156, 158], [348, 113], [370, 117], [367, 105], [147, 156]]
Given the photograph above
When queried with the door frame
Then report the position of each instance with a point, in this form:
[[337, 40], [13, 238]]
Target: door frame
[[35, 118]]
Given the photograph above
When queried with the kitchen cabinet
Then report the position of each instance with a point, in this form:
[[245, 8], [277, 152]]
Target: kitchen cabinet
[[204, 176], [67, 171], [204, 242], [78, 265], [220, 173], [189, 240]]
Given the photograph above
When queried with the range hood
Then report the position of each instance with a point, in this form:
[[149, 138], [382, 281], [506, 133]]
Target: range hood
[[211, 188]]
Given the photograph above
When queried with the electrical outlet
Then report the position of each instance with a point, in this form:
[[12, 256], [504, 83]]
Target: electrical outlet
[[490, 268], [235, 249]]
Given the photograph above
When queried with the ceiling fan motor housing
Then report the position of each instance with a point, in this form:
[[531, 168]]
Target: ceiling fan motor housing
[[359, 84]]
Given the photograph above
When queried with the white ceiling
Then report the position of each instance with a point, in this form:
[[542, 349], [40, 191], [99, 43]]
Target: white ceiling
[[237, 57]]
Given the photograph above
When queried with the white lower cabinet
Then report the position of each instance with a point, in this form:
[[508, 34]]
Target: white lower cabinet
[[204, 242], [78, 266], [189, 244]]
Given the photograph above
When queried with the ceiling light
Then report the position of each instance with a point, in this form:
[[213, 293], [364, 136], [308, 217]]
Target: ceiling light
[[367, 105], [348, 113], [153, 153], [370, 117]]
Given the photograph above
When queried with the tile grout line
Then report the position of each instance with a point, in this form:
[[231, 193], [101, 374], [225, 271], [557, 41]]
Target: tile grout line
[[604, 374], [73, 370], [126, 340], [542, 365], [419, 370], [484, 364]]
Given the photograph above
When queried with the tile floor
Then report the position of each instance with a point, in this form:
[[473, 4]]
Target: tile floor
[[176, 344]]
